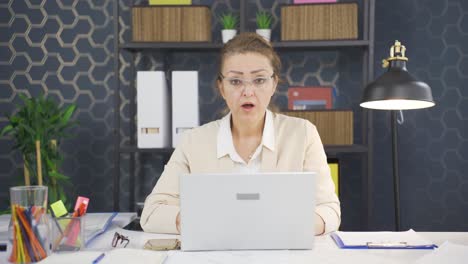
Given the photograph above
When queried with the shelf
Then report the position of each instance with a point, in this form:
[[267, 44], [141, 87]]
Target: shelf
[[181, 46], [128, 149], [208, 46], [337, 149], [332, 149], [321, 44]]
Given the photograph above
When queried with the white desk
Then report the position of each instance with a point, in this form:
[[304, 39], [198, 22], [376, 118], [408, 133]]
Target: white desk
[[325, 250]]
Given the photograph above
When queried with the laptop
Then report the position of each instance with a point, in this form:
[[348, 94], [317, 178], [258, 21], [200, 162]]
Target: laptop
[[247, 211]]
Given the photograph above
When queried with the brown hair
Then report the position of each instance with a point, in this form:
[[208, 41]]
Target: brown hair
[[247, 42]]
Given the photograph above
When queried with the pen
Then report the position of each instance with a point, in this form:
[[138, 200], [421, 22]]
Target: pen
[[98, 258]]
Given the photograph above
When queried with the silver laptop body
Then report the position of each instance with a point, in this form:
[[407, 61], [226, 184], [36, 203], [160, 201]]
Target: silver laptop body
[[247, 211]]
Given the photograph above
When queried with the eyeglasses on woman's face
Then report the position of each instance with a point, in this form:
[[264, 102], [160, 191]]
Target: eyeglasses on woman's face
[[236, 83]]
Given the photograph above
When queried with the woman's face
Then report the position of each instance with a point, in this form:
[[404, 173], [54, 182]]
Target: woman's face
[[247, 85]]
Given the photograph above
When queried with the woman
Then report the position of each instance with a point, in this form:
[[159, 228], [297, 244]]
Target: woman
[[249, 139]]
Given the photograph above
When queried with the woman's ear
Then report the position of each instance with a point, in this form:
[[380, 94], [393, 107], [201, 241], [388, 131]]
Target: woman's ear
[[220, 86], [275, 84]]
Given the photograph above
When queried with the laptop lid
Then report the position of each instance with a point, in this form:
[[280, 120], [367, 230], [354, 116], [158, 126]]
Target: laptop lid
[[247, 211]]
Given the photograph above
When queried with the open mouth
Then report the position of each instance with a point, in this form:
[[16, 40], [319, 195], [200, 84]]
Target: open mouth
[[248, 106]]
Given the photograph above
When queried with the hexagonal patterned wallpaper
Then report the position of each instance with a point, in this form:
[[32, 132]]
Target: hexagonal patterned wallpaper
[[433, 142], [65, 49]]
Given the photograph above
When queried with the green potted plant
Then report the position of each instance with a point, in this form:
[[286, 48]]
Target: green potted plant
[[229, 22], [263, 24], [37, 129]]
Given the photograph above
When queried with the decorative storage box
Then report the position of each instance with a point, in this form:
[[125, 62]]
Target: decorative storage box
[[319, 21], [334, 126], [171, 23], [170, 2]]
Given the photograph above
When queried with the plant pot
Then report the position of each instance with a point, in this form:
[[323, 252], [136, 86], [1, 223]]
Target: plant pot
[[265, 33], [228, 34]]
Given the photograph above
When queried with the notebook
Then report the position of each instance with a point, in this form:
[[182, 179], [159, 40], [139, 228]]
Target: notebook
[[247, 211], [96, 224]]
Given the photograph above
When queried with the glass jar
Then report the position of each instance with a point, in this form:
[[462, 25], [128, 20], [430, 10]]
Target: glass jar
[[29, 225]]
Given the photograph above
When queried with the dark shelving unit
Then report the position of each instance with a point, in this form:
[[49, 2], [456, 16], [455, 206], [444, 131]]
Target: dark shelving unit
[[201, 46], [329, 149], [366, 46], [171, 46]]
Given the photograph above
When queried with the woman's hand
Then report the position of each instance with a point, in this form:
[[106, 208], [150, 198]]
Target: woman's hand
[[178, 222], [319, 225]]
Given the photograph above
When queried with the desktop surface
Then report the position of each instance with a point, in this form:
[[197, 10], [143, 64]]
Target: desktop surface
[[325, 250]]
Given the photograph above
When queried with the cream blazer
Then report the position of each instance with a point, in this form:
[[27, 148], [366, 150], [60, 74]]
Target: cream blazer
[[298, 148]]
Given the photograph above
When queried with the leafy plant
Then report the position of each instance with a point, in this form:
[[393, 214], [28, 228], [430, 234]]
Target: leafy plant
[[41, 119], [263, 20], [229, 20]]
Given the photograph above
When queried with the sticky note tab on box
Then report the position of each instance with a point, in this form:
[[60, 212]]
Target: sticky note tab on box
[[82, 200], [58, 208]]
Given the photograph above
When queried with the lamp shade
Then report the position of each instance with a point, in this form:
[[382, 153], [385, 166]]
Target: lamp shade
[[397, 89]]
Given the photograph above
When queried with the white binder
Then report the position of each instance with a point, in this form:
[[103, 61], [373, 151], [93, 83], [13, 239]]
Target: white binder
[[185, 113], [152, 110]]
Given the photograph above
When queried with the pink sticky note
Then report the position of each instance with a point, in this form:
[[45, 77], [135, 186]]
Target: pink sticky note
[[81, 200]]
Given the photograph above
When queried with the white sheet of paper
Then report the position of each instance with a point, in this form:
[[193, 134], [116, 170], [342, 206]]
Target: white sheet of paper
[[275, 256], [446, 253], [116, 256], [128, 255], [78, 257]]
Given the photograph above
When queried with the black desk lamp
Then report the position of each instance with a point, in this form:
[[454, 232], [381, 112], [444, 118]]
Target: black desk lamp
[[396, 89]]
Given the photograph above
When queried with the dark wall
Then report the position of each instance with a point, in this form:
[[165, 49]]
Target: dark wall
[[433, 143], [65, 49]]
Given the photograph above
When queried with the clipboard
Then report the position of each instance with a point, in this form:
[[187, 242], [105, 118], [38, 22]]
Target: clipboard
[[381, 240]]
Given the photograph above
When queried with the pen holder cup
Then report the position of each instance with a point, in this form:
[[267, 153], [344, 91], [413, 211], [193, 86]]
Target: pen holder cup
[[29, 231], [68, 234]]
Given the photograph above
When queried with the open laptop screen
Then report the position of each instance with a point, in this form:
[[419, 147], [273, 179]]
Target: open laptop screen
[[247, 211]]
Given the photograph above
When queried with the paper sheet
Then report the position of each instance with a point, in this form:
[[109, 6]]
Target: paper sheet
[[275, 256], [116, 256], [445, 254], [71, 258]]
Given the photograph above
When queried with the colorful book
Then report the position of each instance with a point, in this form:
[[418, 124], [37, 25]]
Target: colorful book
[[310, 98]]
